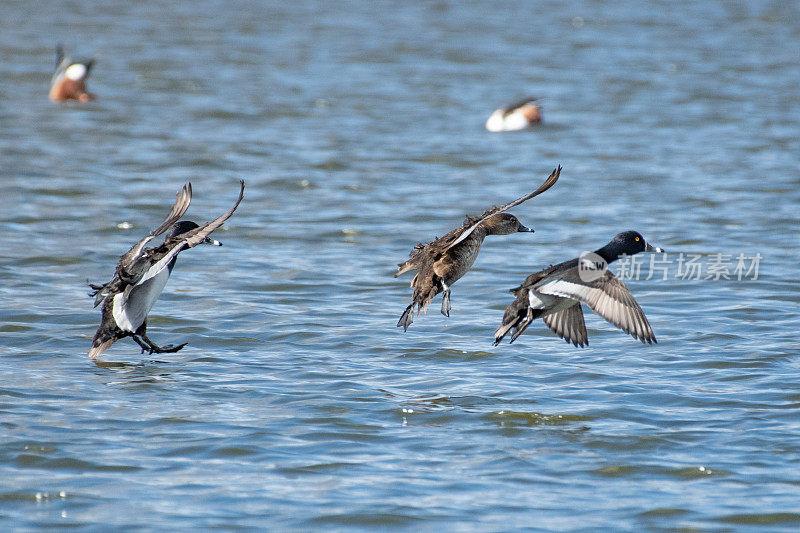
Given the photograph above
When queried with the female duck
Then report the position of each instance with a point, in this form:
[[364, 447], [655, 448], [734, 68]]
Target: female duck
[[443, 261], [141, 275], [555, 295]]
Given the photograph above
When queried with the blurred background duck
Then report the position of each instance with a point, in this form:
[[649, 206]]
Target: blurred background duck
[[515, 117], [69, 80]]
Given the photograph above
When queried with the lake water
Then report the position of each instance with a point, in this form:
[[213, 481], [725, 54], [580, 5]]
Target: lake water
[[358, 127]]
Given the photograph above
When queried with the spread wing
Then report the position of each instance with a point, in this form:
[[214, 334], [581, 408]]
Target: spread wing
[[608, 297], [59, 55], [430, 252], [196, 236], [569, 325], [549, 182], [133, 264], [62, 62]]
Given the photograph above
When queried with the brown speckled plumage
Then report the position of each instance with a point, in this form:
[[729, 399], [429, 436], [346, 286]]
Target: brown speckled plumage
[[441, 262]]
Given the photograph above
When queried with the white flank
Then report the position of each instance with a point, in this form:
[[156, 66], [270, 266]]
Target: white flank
[[566, 289], [495, 122], [132, 306]]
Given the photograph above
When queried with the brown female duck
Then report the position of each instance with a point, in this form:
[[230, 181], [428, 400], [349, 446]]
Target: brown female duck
[[441, 262]]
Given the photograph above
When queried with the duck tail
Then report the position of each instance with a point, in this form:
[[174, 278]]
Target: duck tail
[[521, 327], [516, 319], [102, 341]]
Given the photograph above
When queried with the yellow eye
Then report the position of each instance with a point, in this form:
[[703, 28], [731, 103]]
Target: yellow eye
[[637, 239]]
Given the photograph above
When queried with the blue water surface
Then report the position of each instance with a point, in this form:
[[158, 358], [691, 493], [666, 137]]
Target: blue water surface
[[358, 127]]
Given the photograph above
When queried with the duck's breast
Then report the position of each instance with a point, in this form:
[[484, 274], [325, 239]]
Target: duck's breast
[[131, 312], [458, 260]]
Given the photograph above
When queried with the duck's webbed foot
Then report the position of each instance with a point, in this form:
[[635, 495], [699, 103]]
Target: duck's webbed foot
[[151, 347], [406, 318], [446, 300]]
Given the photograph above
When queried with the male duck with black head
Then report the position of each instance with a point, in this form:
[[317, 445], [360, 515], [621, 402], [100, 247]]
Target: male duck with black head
[[142, 273], [443, 261], [69, 80], [555, 295]]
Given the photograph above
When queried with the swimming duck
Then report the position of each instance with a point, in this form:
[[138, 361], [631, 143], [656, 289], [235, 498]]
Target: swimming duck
[[69, 80], [515, 117], [441, 262], [142, 273], [555, 295]]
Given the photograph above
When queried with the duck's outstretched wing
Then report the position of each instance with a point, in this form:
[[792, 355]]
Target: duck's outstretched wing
[[132, 265], [549, 182], [59, 55], [430, 252], [199, 234], [182, 200], [129, 263], [569, 325], [608, 297], [172, 247]]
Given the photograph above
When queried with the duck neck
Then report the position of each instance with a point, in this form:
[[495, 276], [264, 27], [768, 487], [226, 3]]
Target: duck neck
[[610, 252], [479, 233]]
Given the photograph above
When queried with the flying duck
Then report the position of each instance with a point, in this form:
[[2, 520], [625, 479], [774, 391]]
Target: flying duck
[[69, 80], [555, 295], [142, 274], [515, 117], [441, 262]]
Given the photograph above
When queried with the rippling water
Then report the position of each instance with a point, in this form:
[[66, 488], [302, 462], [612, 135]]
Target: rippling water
[[359, 130]]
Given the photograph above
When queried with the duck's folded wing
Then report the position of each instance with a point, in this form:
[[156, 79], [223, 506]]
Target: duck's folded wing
[[608, 297], [568, 324], [198, 235], [516, 105], [549, 182]]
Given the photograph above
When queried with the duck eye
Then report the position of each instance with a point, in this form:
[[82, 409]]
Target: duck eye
[[637, 239]]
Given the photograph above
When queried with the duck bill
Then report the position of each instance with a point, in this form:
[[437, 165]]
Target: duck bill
[[650, 248], [524, 228]]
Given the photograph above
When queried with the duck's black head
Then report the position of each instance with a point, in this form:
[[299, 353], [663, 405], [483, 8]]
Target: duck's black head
[[503, 224], [625, 243], [179, 228]]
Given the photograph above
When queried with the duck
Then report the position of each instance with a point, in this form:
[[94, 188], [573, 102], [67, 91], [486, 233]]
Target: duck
[[555, 295], [517, 116], [443, 261], [69, 80], [142, 274]]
